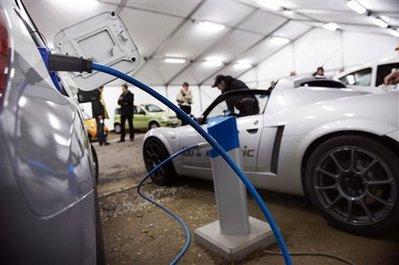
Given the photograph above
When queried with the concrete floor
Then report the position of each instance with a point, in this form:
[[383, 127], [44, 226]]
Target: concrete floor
[[137, 233]]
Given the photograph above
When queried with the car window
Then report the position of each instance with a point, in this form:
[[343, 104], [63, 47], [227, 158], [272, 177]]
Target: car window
[[239, 105], [358, 78], [140, 111], [384, 70], [323, 83], [153, 108]]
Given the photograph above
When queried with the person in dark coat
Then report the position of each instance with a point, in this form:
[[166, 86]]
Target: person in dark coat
[[319, 71], [99, 112], [245, 104], [126, 101]]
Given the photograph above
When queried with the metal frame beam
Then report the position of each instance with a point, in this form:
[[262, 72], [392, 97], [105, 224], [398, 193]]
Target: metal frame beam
[[171, 35], [246, 50], [307, 19], [183, 17], [222, 38], [120, 6], [279, 49]]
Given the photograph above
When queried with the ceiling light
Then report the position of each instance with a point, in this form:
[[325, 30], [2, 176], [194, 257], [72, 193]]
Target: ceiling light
[[213, 61], [330, 26], [379, 22], [173, 55], [355, 6], [270, 4], [279, 40], [210, 26], [394, 33], [242, 64], [174, 60]]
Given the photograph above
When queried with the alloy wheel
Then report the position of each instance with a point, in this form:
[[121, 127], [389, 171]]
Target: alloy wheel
[[354, 185]]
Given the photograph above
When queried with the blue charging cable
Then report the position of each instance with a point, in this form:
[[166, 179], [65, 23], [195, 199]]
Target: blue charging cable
[[182, 115], [185, 227]]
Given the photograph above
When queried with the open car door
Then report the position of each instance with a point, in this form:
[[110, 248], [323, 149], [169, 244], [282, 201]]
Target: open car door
[[105, 39], [248, 107]]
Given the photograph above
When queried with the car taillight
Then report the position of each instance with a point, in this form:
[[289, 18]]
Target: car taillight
[[4, 55]]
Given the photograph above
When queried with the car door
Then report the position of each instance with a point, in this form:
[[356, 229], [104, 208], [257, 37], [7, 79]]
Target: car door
[[140, 118], [249, 125]]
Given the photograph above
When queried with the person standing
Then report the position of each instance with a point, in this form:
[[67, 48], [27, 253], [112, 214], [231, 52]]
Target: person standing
[[99, 112], [184, 99], [126, 100]]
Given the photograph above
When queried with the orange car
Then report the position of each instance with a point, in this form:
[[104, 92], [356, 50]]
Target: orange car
[[91, 127]]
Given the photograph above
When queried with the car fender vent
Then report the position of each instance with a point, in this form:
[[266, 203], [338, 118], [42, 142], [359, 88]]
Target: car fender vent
[[276, 149]]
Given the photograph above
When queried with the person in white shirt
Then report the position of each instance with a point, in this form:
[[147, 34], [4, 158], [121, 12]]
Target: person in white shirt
[[185, 98]]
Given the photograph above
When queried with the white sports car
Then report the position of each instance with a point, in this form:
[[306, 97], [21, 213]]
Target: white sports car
[[306, 136]]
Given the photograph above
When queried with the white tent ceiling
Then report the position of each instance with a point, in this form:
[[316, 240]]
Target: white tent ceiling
[[251, 31]]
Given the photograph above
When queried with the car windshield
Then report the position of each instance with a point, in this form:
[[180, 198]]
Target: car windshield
[[153, 108]]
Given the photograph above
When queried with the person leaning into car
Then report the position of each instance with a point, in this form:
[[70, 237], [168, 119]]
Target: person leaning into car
[[99, 112], [126, 100], [245, 104]]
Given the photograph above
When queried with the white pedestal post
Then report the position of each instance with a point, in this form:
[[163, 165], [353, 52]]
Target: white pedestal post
[[235, 234]]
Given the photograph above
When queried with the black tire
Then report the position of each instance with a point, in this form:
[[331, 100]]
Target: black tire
[[354, 182], [95, 161], [154, 153], [117, 128], [153, 125]]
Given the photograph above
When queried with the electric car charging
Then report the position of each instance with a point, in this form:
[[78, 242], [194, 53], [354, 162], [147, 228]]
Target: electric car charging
[[250, 172]]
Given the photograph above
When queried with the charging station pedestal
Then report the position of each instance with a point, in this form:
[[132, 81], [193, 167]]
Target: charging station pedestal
[[235, 234]]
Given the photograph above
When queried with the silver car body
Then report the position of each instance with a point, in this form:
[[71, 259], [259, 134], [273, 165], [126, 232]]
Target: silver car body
[[295, 117], [48, 200]]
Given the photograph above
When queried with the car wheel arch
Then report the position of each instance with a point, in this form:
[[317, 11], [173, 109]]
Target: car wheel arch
[[387, 141], [153, 121], [163, 141]]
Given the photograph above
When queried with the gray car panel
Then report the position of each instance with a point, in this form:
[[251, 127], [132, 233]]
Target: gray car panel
[[47, 213]]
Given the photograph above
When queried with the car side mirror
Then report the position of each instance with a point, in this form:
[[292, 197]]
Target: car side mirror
[[105, 39]]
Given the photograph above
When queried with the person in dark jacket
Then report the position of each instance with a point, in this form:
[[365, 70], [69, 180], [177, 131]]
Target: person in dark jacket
[[99, 112], [126, 100], [319, 71], [245, 104]]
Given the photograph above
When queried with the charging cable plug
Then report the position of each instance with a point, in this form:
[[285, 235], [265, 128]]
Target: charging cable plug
[[65, 63]]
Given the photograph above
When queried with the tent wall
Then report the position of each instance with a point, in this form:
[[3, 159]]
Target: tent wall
[[334, 50]]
